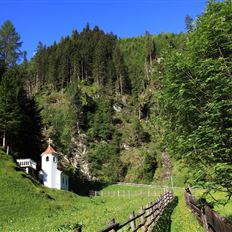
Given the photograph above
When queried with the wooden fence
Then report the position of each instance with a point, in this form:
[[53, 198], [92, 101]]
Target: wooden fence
[[148, 185], [146, 218], [128, 193], [211, 221]]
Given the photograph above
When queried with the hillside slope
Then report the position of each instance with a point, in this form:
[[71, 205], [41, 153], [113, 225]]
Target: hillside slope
[[25, 205]]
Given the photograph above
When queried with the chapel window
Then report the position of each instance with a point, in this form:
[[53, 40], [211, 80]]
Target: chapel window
[[47, 158]]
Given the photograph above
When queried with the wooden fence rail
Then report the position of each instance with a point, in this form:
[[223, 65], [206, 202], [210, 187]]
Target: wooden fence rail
[[128, 193], [211, 221], [146, 218]]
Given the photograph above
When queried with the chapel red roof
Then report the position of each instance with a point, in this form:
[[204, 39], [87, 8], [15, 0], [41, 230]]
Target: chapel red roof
[[49, 150]]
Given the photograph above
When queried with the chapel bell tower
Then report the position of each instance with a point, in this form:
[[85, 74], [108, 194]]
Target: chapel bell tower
[[49, 166]]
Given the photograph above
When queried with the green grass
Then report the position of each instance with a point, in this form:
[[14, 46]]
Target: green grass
[[25, 205], [224, 210], [182, 218], [28, 206]]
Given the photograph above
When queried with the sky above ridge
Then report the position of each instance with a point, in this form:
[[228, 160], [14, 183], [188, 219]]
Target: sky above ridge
[[48, 20]]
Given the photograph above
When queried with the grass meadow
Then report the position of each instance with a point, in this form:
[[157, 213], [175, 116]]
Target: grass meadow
[[25, 205]]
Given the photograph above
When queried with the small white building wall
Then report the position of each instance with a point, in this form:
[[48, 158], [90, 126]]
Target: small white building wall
[[65, 184], [58, 179], [49, 170], [62, 181]]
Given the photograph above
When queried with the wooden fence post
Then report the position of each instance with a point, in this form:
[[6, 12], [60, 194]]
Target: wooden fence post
[[132, 224], [204, 220], [152, 215], [77, 230], [165, 199], [142, 220], [112, 223], [147, 213], [159, 207]]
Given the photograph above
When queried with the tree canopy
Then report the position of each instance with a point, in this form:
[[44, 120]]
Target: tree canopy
[[196, 99], [10, 44]]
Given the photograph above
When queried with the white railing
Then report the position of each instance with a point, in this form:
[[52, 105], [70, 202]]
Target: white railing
[[26, 163]]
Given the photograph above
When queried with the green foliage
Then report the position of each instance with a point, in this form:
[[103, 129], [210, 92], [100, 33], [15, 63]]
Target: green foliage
[[10, 91], [20, 116], [196, 98], [102, 124], [137, 51], [150, 166], [122, 82], [139, 135], [59, 117], [9, 44], [105, 163], [218, 200], [87, 57]]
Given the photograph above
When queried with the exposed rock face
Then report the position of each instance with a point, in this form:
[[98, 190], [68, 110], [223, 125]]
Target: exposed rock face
[[166, 167], [78, 158]]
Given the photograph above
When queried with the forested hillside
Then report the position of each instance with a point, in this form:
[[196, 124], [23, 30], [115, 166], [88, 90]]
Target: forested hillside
[[134, 109]]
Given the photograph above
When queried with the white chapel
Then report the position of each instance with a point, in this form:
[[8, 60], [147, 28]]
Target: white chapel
[[50, 175]]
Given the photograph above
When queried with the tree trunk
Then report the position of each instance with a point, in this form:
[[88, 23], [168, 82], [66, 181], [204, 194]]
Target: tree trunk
[[120, 83]]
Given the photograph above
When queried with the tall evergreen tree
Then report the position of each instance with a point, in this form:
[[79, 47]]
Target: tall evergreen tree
[[188, 23], [10, 44], [121, 71], [150, 46], [20, 118], [9, 108]]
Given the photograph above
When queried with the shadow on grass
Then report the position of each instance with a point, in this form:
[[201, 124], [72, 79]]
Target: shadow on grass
[[81, 185], [164, 222]]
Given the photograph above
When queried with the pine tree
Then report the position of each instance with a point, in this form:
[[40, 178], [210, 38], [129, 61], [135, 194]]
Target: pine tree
[[189, 23], [20, 118], [9, 44], [9, 108], [121, 71], [99, 65], [150, 46]]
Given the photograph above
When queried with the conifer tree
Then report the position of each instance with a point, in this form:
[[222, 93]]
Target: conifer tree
[[121, 71], [188, 23], [10, 44], [20, 117]]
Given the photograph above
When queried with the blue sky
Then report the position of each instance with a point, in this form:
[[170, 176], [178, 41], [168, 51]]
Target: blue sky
[[48, 20]]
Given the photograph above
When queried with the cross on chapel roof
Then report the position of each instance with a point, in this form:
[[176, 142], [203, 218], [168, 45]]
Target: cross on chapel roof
[[50, 141], [50, 149]]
